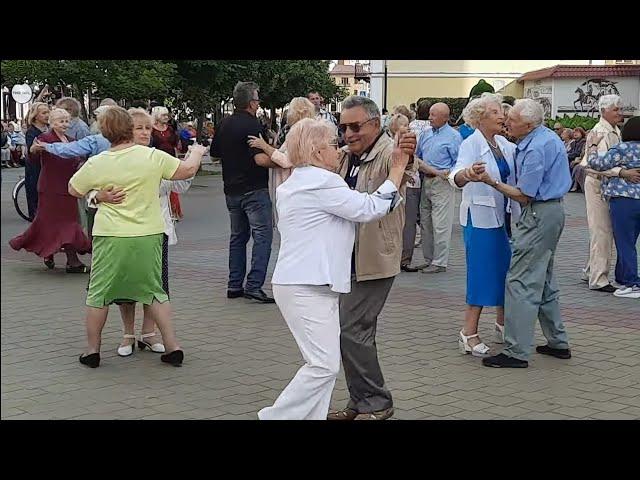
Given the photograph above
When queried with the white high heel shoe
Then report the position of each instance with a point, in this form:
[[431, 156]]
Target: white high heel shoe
[[499, 333], [154, 347], [128, 349], [479, 350]]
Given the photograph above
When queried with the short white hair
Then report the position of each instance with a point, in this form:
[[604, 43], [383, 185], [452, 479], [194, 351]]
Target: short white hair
[[609, 101], [157, 112], [529, 110], [476, 108]]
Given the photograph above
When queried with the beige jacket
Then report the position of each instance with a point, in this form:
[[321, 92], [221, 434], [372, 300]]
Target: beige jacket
[[611, 138], [378, 244]]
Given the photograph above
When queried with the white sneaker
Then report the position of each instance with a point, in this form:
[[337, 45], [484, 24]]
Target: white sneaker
[[628, 292], [616, 284]]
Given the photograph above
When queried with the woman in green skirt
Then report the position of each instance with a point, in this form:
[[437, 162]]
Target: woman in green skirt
[[127, 236]]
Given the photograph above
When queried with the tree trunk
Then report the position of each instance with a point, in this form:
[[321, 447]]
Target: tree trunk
[[83, 109]]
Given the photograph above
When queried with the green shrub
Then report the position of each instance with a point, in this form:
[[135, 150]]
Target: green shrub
[[573, 122], [455, 104]]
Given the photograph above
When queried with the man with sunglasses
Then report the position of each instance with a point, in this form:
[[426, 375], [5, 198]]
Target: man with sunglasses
[[364, 164], [245, 173]]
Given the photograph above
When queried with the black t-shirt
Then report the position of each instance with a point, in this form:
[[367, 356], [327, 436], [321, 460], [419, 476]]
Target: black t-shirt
[[240, 172]]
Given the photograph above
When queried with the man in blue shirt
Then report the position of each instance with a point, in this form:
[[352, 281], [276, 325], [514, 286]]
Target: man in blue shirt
[[542, 180], [438, 148]]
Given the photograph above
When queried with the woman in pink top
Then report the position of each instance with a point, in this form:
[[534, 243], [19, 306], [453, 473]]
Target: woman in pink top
[[299, 108]]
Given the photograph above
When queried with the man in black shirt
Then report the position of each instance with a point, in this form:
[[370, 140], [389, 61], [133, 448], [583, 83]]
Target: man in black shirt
[[245, 172]]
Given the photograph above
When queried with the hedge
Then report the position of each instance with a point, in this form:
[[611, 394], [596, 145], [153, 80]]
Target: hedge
[[572, 122], [455, 104]]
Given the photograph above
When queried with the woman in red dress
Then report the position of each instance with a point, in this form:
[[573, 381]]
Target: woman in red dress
[[55, 227], [165, 138]]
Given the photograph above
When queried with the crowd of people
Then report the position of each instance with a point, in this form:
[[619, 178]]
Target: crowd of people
[[346, 196]]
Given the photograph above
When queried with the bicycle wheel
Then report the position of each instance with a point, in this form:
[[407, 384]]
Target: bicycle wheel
[[19, 196]]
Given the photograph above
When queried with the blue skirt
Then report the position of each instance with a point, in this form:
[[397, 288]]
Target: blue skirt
[[488, 256]]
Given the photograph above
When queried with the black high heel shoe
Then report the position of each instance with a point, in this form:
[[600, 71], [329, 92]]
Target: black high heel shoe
[[174, 358], [91, 361]]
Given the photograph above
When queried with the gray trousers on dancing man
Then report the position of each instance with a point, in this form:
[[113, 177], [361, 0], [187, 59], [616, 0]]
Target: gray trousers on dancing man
[[531, 287], [359, 312]]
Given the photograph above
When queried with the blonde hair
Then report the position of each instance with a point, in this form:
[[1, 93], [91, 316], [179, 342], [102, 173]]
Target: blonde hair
[[116, 125], [305, 137], [398, 120], [157, 112], [404, 110], [140, 113], [58, 113], [70, 104], [476, 108], [33, 111], [299, 108]]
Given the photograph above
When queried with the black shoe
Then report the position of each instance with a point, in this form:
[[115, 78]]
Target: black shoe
[[564, 353], [235, 293], [91, 361], [504, 361], [260, 296], [174, 358], [407, 268], [607, 289]]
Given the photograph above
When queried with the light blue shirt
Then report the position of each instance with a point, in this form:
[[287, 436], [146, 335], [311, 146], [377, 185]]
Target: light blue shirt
[[87, 147], [438, 147], [77, 129], [542, 165]]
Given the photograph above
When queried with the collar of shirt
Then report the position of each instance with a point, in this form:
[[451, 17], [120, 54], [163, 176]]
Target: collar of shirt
[[524, 143], [364, 155], [608, 127]]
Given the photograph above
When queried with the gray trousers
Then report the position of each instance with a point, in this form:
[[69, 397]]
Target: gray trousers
[[411, 208], [437, 207], [359, 312], [531, 287]]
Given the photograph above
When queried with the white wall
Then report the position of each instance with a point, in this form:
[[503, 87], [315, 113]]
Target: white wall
[[565, 98], [542, 92]]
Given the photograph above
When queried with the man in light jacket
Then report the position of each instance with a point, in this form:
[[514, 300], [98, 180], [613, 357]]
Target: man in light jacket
[[364, 164]]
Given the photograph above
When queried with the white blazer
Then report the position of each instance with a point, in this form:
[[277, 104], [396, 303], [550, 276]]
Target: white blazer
[[316, 215], [485, 202]]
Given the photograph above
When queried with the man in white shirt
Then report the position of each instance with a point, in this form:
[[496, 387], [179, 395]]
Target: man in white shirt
[[321, 113]]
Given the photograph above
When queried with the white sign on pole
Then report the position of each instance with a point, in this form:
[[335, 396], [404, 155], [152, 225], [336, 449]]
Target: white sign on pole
[[21, 93]]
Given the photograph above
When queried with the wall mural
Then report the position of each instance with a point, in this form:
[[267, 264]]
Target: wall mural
[[541, 94], [588, 93]]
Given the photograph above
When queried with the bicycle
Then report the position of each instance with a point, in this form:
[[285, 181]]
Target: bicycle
[[19, 196]]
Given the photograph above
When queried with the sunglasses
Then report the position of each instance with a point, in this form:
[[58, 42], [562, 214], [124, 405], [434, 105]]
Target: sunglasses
[[354, 126]]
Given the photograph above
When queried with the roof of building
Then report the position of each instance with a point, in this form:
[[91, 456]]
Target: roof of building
[[349, 70], [573, 71]]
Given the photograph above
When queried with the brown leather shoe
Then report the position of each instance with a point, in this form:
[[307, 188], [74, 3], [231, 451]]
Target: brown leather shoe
[[344, 414], [379, 415]]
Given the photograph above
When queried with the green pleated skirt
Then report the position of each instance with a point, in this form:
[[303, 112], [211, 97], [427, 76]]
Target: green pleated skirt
[[125, 269]]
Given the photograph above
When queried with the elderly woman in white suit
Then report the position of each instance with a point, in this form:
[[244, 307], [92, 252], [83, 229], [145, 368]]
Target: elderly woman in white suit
[[317, 213], [482, 215]]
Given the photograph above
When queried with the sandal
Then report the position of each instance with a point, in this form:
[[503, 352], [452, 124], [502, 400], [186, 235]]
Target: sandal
[[49, 263], [344, 414], [154, 347], [479, 350], [78, 269]]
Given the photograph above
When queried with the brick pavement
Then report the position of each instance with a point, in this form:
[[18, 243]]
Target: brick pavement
[[240, 355]]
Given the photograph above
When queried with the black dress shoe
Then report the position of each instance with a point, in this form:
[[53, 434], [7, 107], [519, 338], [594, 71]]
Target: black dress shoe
[[174, 358], [607, 289], [407, 268], [235, 293], [504, 361], [91, 361], [260, 296], [564, 353]]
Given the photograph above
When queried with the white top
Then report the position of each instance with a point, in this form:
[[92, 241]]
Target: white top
[[317, 211], [417, 127], [166, 187], [485, 202]]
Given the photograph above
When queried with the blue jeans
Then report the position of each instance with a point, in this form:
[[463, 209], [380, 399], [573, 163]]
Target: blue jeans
[[625, 221], [31, 175], [250, 214]]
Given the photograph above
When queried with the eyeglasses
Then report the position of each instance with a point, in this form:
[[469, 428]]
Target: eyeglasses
[[354, 126]]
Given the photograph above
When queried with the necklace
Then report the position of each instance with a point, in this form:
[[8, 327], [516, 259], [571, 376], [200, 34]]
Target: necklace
[[494, 145]]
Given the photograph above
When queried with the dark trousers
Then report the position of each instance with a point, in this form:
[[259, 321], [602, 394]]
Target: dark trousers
[[359, 312], [31, 176], [250, 216], [625, 222]]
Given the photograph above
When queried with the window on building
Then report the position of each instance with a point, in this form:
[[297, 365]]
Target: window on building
[[355, 92], [345, 81]]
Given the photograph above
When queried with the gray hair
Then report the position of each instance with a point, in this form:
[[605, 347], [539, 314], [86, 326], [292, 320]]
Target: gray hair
[[243, 94], [70, 104], [609, 101], [358, 101], [477, 107], [530, 111]]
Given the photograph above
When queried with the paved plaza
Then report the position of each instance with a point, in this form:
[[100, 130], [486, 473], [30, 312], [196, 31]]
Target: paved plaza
[[239, 354]]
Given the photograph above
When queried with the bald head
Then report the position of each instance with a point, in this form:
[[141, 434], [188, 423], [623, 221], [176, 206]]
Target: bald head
[[439, 114]]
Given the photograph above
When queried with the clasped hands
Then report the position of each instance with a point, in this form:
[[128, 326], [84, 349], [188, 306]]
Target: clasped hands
[[404, 147], [478, 173]]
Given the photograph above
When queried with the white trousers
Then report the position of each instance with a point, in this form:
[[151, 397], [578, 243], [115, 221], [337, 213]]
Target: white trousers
[[600, 234], [312, 314]]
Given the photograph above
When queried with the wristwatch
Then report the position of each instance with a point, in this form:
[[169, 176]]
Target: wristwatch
[[496, 183]]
